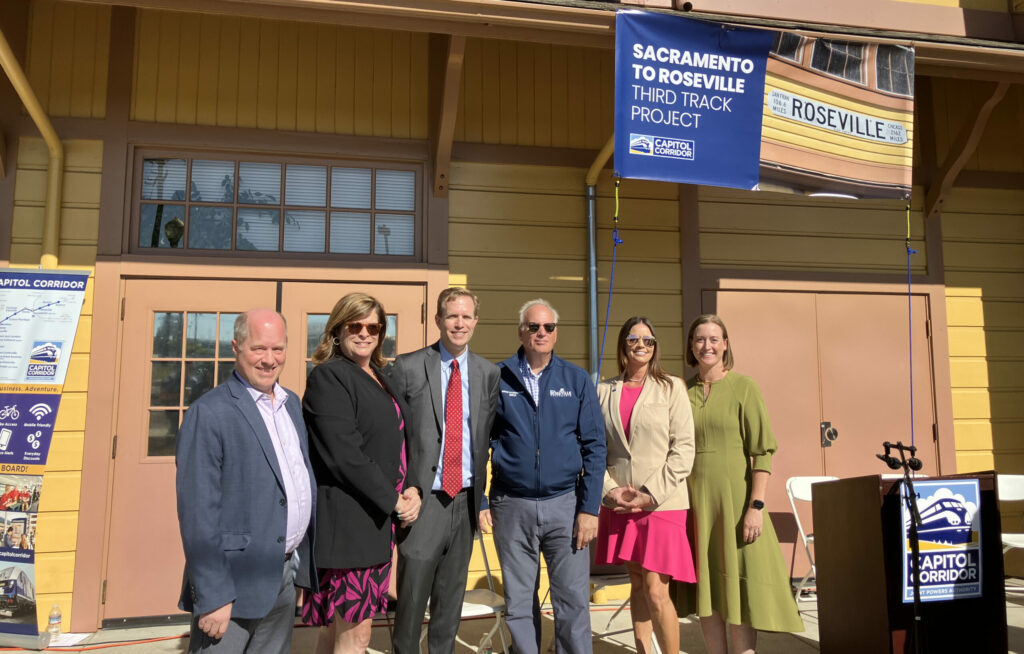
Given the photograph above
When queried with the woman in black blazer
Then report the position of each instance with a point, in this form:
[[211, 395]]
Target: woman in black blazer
[[356, 433]]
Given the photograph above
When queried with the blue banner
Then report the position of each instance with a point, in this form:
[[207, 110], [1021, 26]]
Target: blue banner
[[689, 98]]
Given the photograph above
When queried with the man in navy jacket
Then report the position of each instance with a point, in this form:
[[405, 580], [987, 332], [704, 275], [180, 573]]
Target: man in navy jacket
[[547, 471]]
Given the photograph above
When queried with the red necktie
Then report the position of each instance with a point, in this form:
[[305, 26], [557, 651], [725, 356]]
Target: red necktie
[[451, 467]]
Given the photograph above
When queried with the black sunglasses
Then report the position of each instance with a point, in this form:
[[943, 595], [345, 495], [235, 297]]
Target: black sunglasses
[[549, 327], [372, 328]]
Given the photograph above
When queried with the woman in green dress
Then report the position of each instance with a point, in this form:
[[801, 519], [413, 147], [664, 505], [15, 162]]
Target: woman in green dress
[[741, 576]]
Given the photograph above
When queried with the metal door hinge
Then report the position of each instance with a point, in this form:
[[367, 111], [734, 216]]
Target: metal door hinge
[[103, 593], [423, 313], [122, 308], [113, 448], [935, 432], [927, 328]]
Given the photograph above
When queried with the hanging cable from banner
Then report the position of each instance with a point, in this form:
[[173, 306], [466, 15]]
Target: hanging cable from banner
[[616, 242], [910, 320]]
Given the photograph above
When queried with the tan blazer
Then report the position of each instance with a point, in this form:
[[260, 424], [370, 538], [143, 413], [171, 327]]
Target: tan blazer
[[660, 454]]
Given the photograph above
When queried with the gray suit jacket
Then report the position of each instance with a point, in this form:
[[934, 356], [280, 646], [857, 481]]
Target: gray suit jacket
[[232, 508], [416, 377]]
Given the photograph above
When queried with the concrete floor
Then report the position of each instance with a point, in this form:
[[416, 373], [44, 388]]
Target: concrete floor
[[173, 639]]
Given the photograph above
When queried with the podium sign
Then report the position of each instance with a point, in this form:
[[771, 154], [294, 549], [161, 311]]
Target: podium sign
[[949, 537]]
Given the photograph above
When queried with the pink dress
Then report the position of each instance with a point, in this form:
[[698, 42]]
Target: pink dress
[[656, 540]]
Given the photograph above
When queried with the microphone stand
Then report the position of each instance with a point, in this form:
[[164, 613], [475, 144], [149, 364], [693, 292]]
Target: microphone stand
[[910, 499]]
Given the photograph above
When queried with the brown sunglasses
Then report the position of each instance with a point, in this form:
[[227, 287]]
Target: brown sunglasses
[[372, 328]]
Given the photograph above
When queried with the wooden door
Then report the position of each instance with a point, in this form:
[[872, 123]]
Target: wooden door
[[837, 358], [176, 346]]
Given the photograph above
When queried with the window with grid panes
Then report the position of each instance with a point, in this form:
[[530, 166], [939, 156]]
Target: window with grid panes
[[839, 58], [787, 45], [894, 68], [204, 204]]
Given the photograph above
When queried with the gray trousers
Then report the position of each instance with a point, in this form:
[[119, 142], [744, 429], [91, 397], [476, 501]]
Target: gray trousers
[[523, 530], [433, 563], [271, 634]]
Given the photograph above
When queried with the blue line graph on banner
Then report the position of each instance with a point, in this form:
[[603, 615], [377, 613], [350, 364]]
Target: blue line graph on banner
[[32, 311]]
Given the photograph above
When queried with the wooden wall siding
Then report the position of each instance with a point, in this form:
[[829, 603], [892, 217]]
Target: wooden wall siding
[[774, 231], [956, 102], [519, 232], [516, 93], [238, 72], [68, 46], [983, 237], [58, 510]]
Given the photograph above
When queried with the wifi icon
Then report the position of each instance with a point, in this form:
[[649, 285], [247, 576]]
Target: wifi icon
[[40, 410]]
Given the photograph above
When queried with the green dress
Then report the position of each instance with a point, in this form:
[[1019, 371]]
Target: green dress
[[746, 583]]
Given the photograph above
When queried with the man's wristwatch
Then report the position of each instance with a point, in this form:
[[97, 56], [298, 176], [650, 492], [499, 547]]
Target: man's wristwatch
[[757, 504]]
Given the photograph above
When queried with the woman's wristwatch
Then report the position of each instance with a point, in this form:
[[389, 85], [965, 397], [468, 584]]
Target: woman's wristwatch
[[757, 504]]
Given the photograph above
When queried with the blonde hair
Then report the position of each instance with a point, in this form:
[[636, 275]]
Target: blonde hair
[[453, 293], [348, 309], [727, 359]]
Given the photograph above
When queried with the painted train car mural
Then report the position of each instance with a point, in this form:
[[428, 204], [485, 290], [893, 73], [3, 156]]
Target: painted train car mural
[[838, 117]]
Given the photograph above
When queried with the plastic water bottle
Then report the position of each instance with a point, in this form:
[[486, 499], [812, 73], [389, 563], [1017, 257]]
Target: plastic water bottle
[[54, 625]]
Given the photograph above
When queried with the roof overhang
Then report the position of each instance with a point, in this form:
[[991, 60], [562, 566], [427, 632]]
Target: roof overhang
[[952, 48]]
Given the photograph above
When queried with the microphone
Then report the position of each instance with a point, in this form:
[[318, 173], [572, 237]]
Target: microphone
[[890, 461]]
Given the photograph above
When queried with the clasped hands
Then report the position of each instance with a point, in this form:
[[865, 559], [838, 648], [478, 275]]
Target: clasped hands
[[626, 499], [408, 506]]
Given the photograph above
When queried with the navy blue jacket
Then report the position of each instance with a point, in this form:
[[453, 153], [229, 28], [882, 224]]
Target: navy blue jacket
[[556, 449]]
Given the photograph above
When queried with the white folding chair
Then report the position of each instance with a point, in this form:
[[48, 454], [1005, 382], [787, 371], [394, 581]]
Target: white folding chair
[[799, 489], [480, 602], [1011, 489]]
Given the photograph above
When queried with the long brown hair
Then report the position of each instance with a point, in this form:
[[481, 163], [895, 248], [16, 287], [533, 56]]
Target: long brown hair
[[727, 360], [348, 309], [654, 369]]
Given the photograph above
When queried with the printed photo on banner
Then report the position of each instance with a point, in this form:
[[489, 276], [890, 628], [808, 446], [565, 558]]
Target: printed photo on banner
[[950, 540], [838, 117], [20, 493], [17, 598], [19, 532]]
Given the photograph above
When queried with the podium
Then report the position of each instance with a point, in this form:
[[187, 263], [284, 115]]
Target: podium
[[858, 556]]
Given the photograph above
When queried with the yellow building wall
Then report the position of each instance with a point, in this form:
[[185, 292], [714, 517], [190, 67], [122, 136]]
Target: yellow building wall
[[68, 48], [516, 93], [57, 526], [518, 232], [782, 232], [204, 69]]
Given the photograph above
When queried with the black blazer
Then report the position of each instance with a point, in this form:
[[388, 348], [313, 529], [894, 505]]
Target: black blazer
[[355, 448]]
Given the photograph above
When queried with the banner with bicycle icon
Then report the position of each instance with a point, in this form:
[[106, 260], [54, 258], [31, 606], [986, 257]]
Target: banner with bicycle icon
[[39, 315]]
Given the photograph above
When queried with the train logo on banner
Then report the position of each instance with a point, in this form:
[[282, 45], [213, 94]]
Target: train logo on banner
[[949, 538]]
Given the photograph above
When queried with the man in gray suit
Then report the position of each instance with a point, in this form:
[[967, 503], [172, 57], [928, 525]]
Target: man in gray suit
[[452, 395], [245, 500]]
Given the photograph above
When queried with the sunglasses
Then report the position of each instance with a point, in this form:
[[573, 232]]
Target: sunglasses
[[372, 328], [633, 339], [549, 327]]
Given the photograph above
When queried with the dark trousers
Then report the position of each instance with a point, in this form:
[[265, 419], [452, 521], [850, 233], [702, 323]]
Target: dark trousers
[[271, 634], [433, 563]]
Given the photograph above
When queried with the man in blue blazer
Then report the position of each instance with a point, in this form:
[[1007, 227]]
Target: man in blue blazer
[[452, 394], [245, 500]]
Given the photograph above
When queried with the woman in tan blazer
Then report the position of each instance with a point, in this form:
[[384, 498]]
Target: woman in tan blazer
[[649, 427]]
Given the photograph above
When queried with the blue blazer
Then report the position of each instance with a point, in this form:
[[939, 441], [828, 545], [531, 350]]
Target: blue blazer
[[232, 508]]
